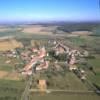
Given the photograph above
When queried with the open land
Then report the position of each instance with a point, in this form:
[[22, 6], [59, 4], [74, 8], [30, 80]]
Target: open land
[[66, 63]]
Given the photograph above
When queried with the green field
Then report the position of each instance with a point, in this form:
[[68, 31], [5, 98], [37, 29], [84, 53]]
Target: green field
[[96, 65], [64, 97], [67, 82], [11, 90]]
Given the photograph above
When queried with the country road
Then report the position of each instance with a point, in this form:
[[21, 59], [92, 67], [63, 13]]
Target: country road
[[63, 91]]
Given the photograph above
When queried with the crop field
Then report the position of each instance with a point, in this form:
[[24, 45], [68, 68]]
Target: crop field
[[39, 29], [9, 44]]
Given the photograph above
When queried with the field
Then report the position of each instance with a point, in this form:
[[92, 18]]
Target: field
[[9, 44], [7, 70], [11, 86], [64, 96], [82, 33], [11, 89], [38, 29], [96, 64]]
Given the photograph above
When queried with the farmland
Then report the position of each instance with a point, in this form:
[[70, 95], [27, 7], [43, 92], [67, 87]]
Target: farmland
[[9, 44], [13, 83], [11, 89], [64, 97]]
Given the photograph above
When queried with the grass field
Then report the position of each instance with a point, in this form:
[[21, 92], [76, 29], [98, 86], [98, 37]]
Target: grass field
[[96, 65], [77, 40], [11, 90], [64, 97], [68, 82]]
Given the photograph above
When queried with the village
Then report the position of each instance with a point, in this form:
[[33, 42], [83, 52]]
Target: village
[[36, 60], [48, 66], [40, 55]]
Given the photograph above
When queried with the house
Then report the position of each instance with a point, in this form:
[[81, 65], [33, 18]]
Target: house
[[34, 60], [8, 61], [72, 60], [42, 66], [83, 77], [85, 53], [29, 72], [72, 67], [34, 50], [60, 49]]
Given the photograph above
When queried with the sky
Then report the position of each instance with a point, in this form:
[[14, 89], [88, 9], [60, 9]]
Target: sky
[[49, 10]]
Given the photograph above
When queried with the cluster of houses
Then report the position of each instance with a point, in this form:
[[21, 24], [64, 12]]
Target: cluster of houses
[[37, 58], [9, 53], [72, 54]]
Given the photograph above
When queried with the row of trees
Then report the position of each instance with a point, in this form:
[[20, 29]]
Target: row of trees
[[78, 27]]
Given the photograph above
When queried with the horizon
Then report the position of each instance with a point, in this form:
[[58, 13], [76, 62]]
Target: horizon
[[49, 10]]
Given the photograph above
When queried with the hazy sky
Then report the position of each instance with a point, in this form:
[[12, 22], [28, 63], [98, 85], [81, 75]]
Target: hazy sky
[[44, 10]]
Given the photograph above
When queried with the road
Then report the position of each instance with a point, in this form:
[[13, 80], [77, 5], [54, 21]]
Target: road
[[63, 91], [25, 95]]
